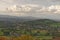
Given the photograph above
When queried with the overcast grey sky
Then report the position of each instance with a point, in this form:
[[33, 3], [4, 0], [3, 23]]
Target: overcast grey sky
[[40, 2], [36, 8]]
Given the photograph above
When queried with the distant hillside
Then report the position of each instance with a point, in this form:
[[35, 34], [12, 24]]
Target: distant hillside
[[27, 22], [41, 21], [15, 18], [42, 24]]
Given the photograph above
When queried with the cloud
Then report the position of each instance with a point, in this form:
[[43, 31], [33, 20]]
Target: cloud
[[50, 9], [32, 9], [22, 8], [29, 7], [54, 8]]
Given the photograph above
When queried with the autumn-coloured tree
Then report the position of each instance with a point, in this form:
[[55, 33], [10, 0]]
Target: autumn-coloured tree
[[3, 38], [26, 37], [13, 38]]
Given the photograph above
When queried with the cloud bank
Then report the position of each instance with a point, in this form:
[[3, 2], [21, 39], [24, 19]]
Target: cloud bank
[[33, 8]]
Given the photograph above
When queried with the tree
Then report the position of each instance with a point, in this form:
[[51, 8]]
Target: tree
[[3, 38], [26, 37]]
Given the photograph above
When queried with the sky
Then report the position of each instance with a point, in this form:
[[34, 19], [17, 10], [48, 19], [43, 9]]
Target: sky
[[36, 8]]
